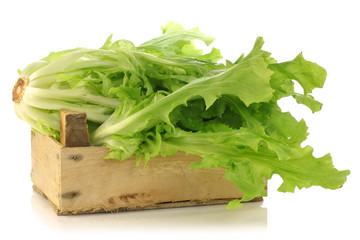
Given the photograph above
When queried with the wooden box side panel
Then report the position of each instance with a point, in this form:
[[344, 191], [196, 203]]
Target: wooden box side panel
[[45, 166], [91, 183]]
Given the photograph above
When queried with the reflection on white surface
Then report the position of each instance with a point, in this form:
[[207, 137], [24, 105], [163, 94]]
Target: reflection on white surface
[[251, 215]]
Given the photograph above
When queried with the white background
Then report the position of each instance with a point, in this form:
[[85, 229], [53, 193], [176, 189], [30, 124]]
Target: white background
[[327, 32]]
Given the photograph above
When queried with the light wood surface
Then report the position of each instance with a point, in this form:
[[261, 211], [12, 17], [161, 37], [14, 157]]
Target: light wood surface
[[94, 183], [80, 180], [46, 166]]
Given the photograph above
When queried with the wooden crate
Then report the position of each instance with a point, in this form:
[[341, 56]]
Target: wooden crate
[[76, 178]]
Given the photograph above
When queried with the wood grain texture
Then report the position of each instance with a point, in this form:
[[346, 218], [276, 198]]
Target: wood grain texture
[[79, 180], [179, 204], [73, 129], [91, 183], [46, 166]]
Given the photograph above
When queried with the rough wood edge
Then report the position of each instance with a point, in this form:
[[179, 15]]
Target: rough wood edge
[[38, 190], [161, 205], [59, 145], [73, 129]]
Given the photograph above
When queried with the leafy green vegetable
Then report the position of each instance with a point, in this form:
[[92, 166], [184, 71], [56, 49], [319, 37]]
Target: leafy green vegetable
[[166, 95]]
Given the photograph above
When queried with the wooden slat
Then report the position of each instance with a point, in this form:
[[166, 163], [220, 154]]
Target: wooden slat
[[46, 166], [73, 129], [91, 183], [62, 212]]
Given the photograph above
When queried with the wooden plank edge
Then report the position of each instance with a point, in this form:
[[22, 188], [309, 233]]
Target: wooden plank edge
[[39, 191], [74, 129], [161, 205]]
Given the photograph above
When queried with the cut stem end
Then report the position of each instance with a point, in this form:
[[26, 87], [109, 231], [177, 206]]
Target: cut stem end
[[19, 89]]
